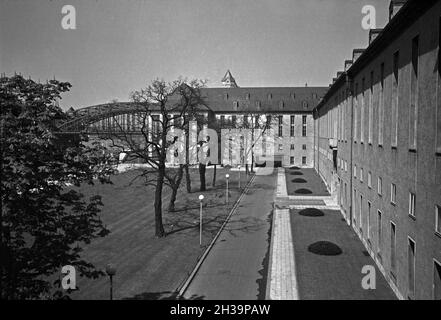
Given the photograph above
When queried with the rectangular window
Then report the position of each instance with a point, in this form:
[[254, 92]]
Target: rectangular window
[[393, 245], [222, 120], [411, 267], [355, 113], [303, 160], [361, 174], [355, 172], [438, 103], [369, 221], [379, 234], [369, 180], [438, 219], [380, 186], [303, 126], [280, 126], [233, 121], [412, 204], [291, 160], [436, 280], [413, 112], [393, 193], [292, 127], [360, 214], [304, 147], [370, 108], [292, 146], [381, 107], [362, 111], [394, 107]]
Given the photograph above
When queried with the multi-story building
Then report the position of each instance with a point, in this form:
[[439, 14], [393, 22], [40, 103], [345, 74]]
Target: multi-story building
[[288, 110], [378, 146]]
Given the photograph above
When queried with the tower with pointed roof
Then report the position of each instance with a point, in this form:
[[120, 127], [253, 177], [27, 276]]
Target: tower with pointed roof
[[228, 80]]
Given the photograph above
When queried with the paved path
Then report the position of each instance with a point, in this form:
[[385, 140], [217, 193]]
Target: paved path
[[236, 267], [297, 273]]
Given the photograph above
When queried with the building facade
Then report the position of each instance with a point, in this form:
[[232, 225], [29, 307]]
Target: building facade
[[377, 145]]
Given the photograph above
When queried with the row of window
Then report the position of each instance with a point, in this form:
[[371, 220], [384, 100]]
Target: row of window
[[292, 96], [411, 244], [292, 159]]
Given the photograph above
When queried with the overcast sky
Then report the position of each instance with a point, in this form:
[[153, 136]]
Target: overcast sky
[[119, 46]]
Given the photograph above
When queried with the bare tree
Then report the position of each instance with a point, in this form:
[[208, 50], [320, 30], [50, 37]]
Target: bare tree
[[149, 132]]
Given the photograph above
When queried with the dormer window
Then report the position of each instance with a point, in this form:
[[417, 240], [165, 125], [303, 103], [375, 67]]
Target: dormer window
[[270, 96], [314, 96], [258, 105], [226, 96], [248, 96], [236, 105], [293, 96], [281, 104], [304, 104]]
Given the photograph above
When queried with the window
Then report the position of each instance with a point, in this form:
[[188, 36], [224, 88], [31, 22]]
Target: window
[[380, 186], [393, 193], [292, 127], [270, 96], [381, 107], [346, 166], [355, 113], [393, 245], [438, 104], [360, 214], [438, 219], [379, 234], [436, 280], [413, 112], [370, 108], [303, 160], [222, 120], [355, 172], [233, 121], [280, 126], [280, 147], [361, 175], [369, 222], [291, 160], [369, 180], [248, 96], [411, 267], [411, 204], [362, 111], [304, 147], [292, 146], [394, 107], [303, 126], [236, 105]]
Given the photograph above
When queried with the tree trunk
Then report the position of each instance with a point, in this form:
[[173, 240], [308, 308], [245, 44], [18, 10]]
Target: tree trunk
[[187, 179], [247, 169], [202, 169], [159, 228], [175, 188], [214, 176]]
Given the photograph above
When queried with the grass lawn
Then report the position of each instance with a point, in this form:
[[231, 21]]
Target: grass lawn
[[304, 182], [148, 267]]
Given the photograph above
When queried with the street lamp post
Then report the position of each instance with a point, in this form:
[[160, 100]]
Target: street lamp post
[[111, 271], [201, 197], [239, 175], [227, 176]]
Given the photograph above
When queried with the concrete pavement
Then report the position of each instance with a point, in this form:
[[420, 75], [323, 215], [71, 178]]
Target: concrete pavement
[[236, 267]]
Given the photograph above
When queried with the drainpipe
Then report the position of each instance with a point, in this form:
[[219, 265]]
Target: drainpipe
[[350, 90]]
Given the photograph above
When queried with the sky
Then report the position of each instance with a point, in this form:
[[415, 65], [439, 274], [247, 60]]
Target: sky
[[120, 46]]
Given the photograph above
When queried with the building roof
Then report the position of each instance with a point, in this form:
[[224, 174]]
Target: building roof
[[404, 18], [265, 99]]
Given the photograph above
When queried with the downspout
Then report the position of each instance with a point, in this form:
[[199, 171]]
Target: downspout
[[350, 91]]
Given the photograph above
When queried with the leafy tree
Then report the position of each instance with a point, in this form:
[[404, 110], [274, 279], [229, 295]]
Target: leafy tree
[[42, 220]]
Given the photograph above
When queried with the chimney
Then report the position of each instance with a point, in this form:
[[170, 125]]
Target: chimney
[[394, 7], [356, 53], [348, 64], [373, 34]]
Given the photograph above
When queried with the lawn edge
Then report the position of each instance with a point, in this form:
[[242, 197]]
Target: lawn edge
[[181, 290]]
